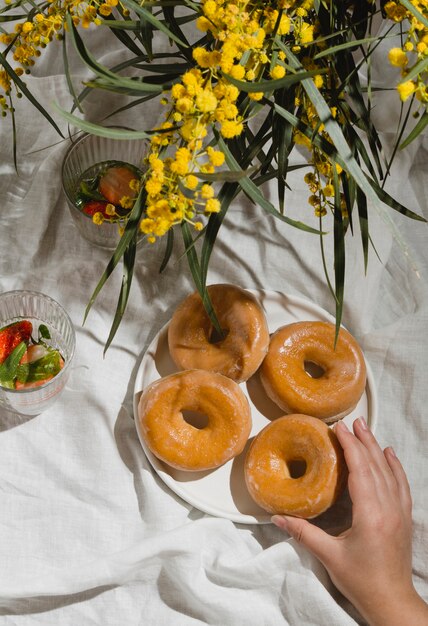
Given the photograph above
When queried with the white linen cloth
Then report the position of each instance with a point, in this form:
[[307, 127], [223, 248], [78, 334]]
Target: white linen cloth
[[88, 533]]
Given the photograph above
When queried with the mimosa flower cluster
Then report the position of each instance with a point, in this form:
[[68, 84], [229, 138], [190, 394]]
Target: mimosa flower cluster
[[46, 24], [205, 100], [244, 41], [412, 57]]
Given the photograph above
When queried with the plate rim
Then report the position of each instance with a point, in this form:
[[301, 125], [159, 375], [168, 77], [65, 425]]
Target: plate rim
[[158, 465]]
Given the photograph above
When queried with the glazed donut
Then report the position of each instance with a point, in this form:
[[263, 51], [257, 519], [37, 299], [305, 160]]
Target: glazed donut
[[274, 452], [342, 380], [178, 443], [245, 345]]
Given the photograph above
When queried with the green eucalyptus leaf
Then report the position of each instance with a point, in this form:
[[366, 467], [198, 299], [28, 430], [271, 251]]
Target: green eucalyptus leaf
[[114, 87], [83, 52], [14, 135], [27, 93], [168, 249], [119, 28], [12, 18], [370, 188], [339, 253], [394, 204], [198, 278], [125, 241], [227, 193], [361, 117], [416, 131], [192, 257], [149, 17], [226, 176], [349, 191], [284, 131], [102, 131], [146, 35], [114, 25], [272, 85], [418, 68], [108, 76], [174, 26], [256, 195], [165, 68], [364, 225], [71, 89], [128, 271], [359, 149], [257, 141], [130, 105], [354, 43], [324, 262]]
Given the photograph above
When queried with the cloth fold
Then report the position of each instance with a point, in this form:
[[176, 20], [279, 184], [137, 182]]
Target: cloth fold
[[88, 533]]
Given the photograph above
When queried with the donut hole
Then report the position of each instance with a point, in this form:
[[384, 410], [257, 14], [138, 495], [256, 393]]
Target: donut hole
[[216, 337], [195, 418], [314, 370], [296, 468]]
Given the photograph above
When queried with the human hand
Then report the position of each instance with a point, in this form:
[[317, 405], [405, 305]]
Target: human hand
[[371, 562]]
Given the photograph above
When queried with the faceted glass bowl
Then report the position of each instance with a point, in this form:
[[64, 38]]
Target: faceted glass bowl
[[86, 151], [39, 309]]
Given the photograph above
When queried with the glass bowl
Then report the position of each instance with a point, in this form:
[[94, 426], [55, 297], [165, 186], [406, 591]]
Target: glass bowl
[[39, 309], [85, 152]]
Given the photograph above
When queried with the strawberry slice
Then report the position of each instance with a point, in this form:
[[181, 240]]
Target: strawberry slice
[[114, 184], [95, 206], [12, 335]]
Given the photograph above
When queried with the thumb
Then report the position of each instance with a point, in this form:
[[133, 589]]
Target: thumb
[[311, 537]]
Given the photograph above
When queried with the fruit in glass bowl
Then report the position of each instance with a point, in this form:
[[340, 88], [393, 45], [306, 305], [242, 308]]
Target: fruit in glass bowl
[[107, 191], [26, 362]]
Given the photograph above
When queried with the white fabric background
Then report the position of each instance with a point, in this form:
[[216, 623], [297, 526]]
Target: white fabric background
[[88, 534]]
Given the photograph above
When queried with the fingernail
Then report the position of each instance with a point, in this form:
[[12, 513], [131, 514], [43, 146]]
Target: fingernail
[[391, 451], [341, 426], [279, 521], [362, 423]]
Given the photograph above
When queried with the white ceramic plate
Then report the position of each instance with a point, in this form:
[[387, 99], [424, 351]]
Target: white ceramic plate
[[222, 492]]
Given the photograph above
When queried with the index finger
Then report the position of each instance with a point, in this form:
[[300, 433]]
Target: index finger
[[361, 481]]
